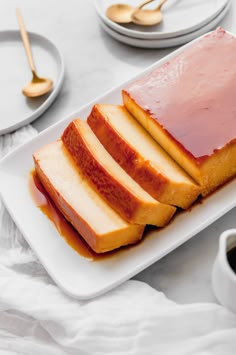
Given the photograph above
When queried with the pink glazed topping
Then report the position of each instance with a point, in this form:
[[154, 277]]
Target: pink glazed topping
[[193, 96]]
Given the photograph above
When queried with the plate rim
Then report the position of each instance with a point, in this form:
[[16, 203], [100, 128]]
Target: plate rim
[[71, 290], [168, 42], [56, 89], [155, 34]]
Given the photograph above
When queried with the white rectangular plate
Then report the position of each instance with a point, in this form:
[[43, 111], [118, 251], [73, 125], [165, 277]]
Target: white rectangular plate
[[77, 276]]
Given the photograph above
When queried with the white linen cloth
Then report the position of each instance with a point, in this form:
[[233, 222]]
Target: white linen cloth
[[36, 317]]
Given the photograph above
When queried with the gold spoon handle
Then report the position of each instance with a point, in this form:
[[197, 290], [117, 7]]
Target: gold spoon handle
[[144, 3], [160, 5], [26, 41]]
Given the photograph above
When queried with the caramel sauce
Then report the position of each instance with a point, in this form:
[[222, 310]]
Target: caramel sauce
[[42, 200], [73, 238], [231, 256], [192, 97], [65, 229]]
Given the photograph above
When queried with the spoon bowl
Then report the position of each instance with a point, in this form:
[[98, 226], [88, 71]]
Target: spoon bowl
[[148, 17], [37, 87], [122, 13]]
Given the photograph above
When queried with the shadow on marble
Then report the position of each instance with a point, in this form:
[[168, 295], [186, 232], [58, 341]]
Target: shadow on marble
[[185, 274], [127, 53]]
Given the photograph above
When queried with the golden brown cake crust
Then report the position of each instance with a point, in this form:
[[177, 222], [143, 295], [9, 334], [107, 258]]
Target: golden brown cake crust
[[162, 186], [135, 205], [112, 191]]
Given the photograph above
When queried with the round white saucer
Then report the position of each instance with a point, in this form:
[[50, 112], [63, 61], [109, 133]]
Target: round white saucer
[[168, 42], [15, 109], [180, 17]]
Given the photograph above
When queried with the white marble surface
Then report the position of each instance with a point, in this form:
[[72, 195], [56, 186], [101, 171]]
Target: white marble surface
[[96, 63]]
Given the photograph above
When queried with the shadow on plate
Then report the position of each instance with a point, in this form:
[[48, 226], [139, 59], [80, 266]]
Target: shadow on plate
[[34, 102]]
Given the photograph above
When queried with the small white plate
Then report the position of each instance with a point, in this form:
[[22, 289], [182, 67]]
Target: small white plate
[[76, 275], [15, 109], [180, 17], [167, 42]]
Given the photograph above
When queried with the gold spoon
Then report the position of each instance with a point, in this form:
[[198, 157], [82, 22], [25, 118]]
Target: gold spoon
[[148, 17], [37, 86], [122, 13]]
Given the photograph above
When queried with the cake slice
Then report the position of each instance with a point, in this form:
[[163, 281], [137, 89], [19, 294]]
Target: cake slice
[[188, 105], [110, 180], [141, 157], [99, 225]]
